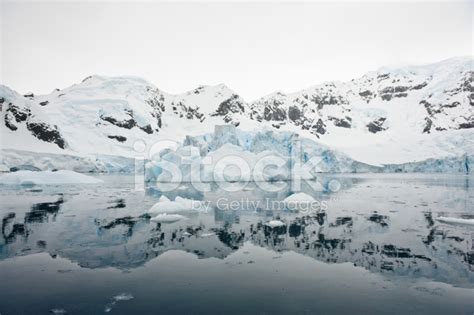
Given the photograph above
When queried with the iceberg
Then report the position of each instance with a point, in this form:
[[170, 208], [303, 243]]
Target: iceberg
[[299, 201], [164, 205], [275, 227], [47, 178]]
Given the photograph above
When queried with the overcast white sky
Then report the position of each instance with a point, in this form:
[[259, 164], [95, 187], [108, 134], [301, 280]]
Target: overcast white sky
[[253, 48]]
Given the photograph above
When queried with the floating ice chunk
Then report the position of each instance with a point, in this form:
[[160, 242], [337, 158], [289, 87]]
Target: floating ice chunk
[[207, 234], [299, 198], [299, 201], [168, 218], [456, 221], [58, 311], [123, 297], [164, 205], [47, 178], [275, 223], [118, 298]]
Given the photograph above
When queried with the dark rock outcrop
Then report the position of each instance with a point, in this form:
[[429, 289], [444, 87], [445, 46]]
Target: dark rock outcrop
[[377, 125], [126, 123], [274, 112], [234, 104], [15, 114], [341, 122], [46, 133], [294, 113], [428, 124], [118, 138], [24, 167], [319, 127], [148, 129]]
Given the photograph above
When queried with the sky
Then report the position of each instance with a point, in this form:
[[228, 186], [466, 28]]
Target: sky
[[254, 48]]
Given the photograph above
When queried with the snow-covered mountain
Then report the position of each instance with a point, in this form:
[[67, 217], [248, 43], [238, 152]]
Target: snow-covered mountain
[[393, 115]]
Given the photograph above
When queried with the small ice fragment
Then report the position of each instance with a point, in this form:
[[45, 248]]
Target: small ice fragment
[[168, 218], [123, 297], [275, 223], [58, 311], [207, 234], [299, 198], [455, 220], [116, 299]]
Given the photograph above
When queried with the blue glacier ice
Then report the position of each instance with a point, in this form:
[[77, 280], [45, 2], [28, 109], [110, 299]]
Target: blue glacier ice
[[278, 155]]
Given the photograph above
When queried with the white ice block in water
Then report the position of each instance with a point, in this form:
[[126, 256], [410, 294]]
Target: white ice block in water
[[299, 198], [47, 178], [164, 205], [275, 223], [299, 201], [456, 221], [168, 218]]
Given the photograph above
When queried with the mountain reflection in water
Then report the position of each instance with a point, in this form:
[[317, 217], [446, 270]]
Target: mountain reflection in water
[[385, 224]]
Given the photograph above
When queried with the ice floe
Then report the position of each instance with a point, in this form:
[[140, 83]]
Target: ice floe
[[207, 234], [299, 198], [459, 221], [164, 205], [118, 298], [275, 223], [168, 218], [299, 201]]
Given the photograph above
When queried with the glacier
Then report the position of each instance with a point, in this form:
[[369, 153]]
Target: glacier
[[449, 164], [230, 154], [47, 178], [11, 159], [277, 148]]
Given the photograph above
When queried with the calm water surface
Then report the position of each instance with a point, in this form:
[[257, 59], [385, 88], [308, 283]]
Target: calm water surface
[[376, 247]]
